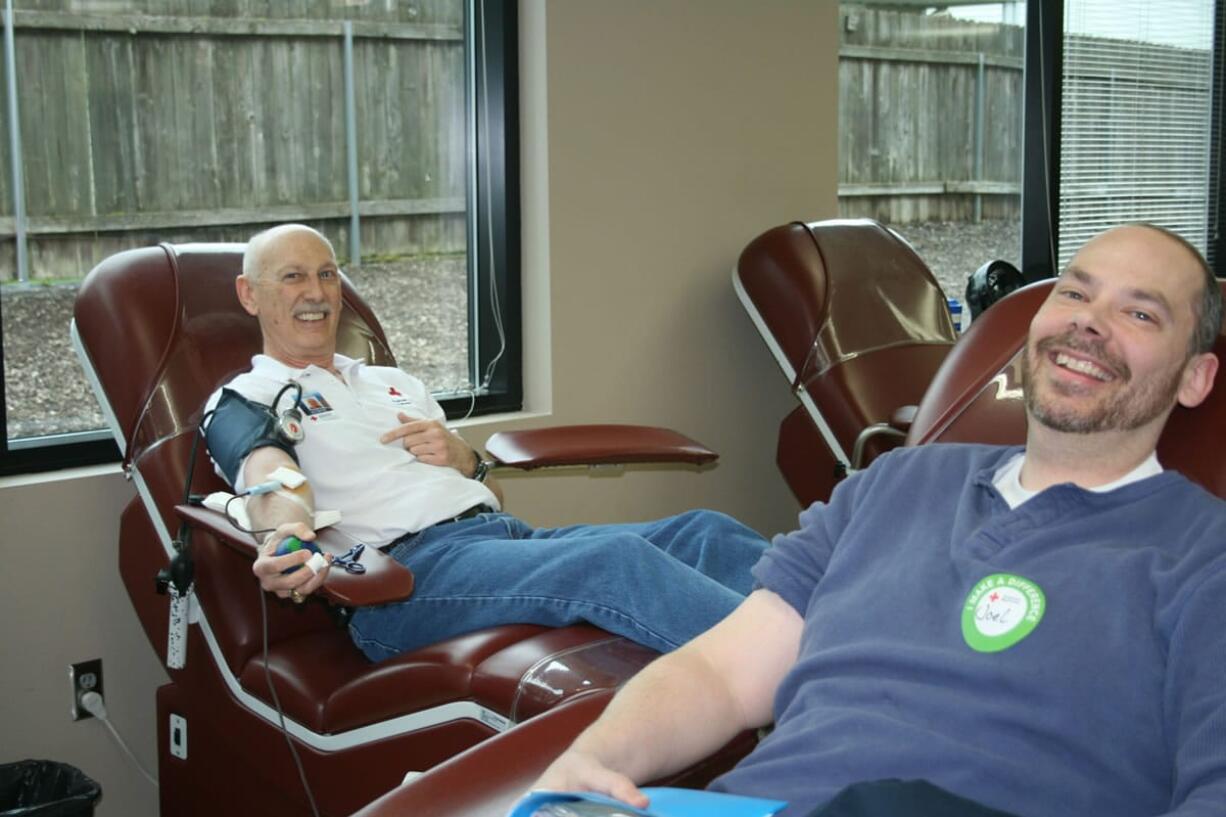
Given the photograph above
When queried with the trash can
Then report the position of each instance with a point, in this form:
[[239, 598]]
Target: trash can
[[45, 788]]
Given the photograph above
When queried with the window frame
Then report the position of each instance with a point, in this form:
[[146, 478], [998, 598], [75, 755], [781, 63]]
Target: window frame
[[1041, 166], [494, 234], [493, 256]]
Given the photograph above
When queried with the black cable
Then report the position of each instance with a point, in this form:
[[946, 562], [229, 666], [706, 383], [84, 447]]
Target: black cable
[[230, 517], [272, 690], [181, 540], [191, 460], [293, 384]]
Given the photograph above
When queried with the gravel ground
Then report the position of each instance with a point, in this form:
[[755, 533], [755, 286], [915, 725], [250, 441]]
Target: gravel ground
[[47, 393], [954, 250]]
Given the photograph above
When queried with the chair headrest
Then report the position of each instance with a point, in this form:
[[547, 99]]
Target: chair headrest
[[827, 291], [162, 328]]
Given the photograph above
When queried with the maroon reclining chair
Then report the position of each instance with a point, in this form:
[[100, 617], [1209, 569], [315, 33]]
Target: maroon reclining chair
[[858, 325], [975, 397], [158, 330]]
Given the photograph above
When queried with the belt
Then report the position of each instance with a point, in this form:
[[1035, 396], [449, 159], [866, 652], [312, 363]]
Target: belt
[[475, 510]]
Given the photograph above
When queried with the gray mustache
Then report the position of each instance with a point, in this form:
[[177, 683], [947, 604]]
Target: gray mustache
[[1092, 349]]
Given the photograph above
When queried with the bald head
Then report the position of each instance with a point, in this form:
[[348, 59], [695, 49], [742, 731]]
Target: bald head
[[291, 283], [261, 248], [1208, 305]]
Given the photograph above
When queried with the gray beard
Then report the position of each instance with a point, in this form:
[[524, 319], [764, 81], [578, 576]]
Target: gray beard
[[1126, 411]]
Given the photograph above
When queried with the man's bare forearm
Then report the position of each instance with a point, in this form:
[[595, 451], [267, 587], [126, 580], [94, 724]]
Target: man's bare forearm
[[687, 704], [268, 511], [671, 715]]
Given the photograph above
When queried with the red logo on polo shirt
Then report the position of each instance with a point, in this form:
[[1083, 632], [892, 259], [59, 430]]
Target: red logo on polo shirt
[[392, 391]]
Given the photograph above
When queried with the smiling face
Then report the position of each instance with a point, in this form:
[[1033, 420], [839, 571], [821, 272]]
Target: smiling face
[[292, 284], [1109, 349]]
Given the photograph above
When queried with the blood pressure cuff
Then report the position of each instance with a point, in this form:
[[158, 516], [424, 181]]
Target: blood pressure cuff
[[237, 427]]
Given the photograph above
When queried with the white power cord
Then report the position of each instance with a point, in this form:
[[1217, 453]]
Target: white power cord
[[91, 702]]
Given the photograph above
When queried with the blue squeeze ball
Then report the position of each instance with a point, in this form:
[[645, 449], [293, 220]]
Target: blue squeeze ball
[[292, 544]]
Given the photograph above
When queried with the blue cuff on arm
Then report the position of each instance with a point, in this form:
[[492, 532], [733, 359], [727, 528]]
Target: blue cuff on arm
[[237, 427]]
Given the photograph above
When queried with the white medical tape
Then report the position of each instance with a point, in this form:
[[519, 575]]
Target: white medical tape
[[317, 562], [293, 497], [288, 477]]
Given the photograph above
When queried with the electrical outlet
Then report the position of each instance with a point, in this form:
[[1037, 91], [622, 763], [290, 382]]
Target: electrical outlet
[[178, 736], [84, 677]]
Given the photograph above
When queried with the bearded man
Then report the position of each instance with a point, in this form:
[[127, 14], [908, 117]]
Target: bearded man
[[1034, 631]]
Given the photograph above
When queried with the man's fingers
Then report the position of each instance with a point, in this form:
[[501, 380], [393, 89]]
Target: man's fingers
[[271, 570], [314, 583], [408, 428], [578, 771], [619, 787], [283, 531]]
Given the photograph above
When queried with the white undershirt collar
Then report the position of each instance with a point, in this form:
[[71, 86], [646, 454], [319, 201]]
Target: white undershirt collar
[[1007, 479]]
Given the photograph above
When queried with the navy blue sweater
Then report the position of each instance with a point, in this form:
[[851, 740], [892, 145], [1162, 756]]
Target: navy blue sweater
[[1063, 659]]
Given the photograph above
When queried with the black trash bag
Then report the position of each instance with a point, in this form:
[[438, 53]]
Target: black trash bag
[[988, 284], [45, 788]]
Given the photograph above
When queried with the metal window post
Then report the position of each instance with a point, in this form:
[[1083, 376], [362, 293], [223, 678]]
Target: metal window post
[[980, 112], [19, 193], [351, 152]]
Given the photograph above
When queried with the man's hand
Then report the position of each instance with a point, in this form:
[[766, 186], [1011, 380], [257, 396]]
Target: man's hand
[[430, 442], [268, 568], [579, 771]]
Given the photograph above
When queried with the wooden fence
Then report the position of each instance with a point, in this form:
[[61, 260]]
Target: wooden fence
[[207, 119], [136, 128], [930, 117]]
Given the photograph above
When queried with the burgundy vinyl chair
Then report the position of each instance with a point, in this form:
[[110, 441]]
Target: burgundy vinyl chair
[[858, 325], [975, 397], [157, 330]]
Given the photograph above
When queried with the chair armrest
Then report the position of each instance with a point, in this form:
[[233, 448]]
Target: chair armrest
[[487, 779], [595, 445], [903, 417], [385, 579]]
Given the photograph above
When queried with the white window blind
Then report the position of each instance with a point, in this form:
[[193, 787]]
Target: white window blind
[[1135, 117]]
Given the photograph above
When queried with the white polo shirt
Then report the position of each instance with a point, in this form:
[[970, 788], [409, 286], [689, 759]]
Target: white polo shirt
[[381, 490]]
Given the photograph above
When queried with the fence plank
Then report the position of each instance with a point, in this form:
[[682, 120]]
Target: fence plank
[[149, 24], [220, 216]]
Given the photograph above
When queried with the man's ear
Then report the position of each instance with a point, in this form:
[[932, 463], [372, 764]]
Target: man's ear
[[246, 294], [1197, 382]]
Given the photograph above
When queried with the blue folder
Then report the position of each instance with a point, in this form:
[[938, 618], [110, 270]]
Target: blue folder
[[665, 802]]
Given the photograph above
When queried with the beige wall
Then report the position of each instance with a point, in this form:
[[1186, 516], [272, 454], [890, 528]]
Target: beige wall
[[659, 137], [62, 602], [676, 131]]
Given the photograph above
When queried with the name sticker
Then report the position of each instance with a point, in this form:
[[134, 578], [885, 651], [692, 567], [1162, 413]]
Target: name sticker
[[1000, 611]]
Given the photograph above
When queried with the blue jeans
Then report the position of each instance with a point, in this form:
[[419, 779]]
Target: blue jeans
[[657, 583]]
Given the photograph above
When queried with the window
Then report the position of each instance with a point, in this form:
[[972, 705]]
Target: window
[[930, 128], [141, 125], [1114, 107], [1135, 118], [1123, 123]]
